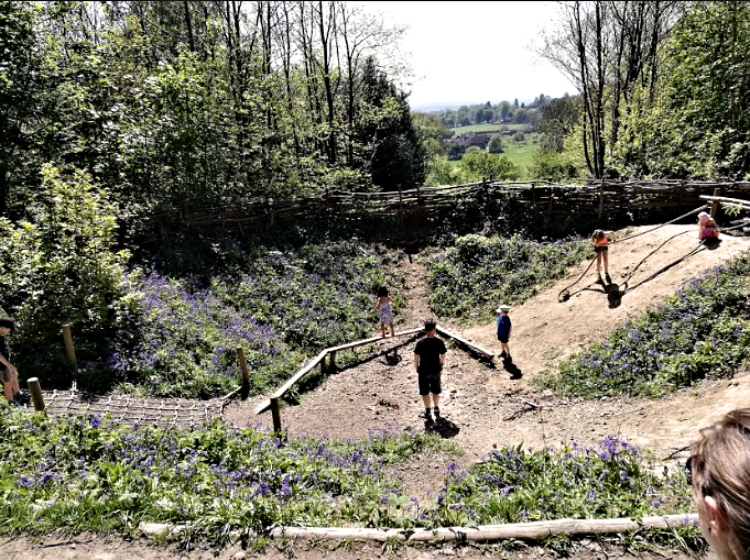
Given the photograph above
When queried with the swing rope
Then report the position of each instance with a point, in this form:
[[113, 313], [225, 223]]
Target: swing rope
[[565, 294]]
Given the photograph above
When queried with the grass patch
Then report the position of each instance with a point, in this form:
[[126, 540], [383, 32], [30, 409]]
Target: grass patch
[[280, 307], [613, 479], [81, 473], [471, 278], [521, 154], [703, 331]]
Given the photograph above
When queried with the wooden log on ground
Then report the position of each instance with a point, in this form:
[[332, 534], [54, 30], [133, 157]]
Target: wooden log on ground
[[527, 531], [281, 391], [465, 342], [265, 405], [482, 533]]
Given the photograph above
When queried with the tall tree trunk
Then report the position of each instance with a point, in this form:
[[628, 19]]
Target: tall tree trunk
[[189, 25], [325, 34]]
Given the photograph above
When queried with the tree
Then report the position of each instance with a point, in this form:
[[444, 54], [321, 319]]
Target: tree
[[607, 49], [18, 74], [495, 145], [455, 150], [480, 165], [559, 118], [699, 124]]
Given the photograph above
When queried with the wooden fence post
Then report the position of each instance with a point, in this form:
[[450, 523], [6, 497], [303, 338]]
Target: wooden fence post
[[332, 363], [243, 366], [715, 203], [276, 414], [69, 348], [36, 394]]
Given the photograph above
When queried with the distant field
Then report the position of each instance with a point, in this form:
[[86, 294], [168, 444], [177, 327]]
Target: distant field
[[521, 153], [487, 127]]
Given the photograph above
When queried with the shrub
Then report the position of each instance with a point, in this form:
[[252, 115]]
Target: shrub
[[468, 280], [61, 267]]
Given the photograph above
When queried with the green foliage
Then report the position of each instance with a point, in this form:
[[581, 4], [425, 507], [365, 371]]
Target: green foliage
[[280, 307], [518, 137], [608, 481], [468, 280], [696, 124], [477, 165], [495, 145], [84, 473], [76, 473], [553, 166], [701, 332], [60, 267]]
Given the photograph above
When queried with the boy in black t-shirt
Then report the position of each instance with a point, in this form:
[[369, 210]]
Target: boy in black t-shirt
[[429, 358]]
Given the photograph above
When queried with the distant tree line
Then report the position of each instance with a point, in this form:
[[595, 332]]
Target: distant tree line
[[504, 112]]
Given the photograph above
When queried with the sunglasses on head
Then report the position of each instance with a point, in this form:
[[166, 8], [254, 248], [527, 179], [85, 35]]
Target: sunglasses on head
[[689, 470]]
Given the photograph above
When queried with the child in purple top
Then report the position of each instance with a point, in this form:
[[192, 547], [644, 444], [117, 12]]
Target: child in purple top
[[386, 312]]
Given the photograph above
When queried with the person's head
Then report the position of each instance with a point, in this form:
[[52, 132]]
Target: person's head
[[720, 472], [430, 324], [598, 235], [703, 217], [503, 309], [7, 326], [382, 291]]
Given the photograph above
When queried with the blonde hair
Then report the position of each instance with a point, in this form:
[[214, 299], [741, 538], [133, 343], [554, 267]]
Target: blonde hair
[[720, 467]]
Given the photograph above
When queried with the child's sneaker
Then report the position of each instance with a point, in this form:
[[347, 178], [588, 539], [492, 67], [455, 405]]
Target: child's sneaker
[[425, 415], [503, 354], [436, 412]]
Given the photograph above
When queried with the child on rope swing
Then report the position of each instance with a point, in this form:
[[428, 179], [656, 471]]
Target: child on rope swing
[[708, 230], [600, 238]]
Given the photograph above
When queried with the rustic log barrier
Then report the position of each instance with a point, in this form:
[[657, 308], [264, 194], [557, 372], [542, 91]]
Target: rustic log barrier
[[527, 531], [274, 401]]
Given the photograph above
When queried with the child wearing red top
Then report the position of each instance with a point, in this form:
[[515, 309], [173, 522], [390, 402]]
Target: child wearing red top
[[600, 239]]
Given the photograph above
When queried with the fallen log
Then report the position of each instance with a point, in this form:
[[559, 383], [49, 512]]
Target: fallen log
[[529, 531], [465, 342]]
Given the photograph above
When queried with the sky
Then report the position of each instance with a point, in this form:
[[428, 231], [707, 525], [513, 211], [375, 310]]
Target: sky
[[472, 52]]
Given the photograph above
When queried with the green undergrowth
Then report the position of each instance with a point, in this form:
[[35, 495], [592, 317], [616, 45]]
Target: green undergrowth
[[702, 331], [87, 474], [470, 279]]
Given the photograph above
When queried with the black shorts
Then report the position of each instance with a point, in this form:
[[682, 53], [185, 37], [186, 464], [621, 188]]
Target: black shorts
[[600, 249], [503, 338], [429, 384]]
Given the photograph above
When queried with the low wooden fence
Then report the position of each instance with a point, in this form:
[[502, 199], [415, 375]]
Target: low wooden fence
[[610, 202], [320, 360]]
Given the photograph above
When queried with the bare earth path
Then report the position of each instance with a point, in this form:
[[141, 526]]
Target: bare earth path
[[479, 400]]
